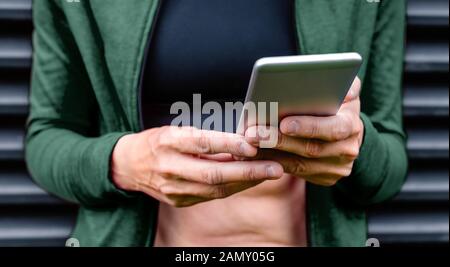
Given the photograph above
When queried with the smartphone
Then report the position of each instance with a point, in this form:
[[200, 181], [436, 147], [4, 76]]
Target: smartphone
[[313, 85]]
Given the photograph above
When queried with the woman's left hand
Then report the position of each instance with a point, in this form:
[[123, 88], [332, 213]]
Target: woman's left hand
[[321, 150]]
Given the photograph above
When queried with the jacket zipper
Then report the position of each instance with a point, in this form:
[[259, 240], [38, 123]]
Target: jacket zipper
[[139, 99]]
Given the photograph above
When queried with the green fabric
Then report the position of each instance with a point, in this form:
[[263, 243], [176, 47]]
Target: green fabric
[[84, 97]]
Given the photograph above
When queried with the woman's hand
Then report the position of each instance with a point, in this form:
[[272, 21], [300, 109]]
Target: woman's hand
[[322, 150], [186, 166]]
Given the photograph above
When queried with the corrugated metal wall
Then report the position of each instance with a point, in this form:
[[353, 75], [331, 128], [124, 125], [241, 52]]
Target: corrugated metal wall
[[419, 215]]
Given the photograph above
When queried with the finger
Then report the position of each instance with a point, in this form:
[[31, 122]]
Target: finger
[[304, 167], [255, 135], [215, 173], [175, 201], [321, 180], [316, 149], [193, 141], [223, 157], [179, 189], [160, 194], [354, 91], [182, 193], [329, 129]]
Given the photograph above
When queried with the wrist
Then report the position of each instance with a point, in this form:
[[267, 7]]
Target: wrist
[[120, 164]]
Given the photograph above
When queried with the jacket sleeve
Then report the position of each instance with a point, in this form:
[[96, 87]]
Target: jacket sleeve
[[63, 151], [380, 171]]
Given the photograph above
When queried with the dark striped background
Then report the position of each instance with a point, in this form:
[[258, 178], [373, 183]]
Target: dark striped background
[[419, 215]]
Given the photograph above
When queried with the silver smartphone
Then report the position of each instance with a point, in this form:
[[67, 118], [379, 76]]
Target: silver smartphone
[[314, 85]]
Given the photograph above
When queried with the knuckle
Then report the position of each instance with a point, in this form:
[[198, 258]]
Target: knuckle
[[349, 170], [212, 177], [360, 130], [187, 131], [170, 137], [220, 191], [202, 143], [352, 153], [341, 130], [299, 167], [345, 171], [313, 130], [190, 131], [159, 186], [360, 126], [354, 125], [250, 174], [166, 128], [163, 141], [313, 149], [163, 168], [232, 146]]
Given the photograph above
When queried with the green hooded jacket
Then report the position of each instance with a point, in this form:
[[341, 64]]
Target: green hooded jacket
[[86, 79]]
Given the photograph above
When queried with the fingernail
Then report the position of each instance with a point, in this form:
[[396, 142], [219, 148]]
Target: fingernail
[[246, 149], [352, 92], [242, 148], [270, 171], [293, 127]]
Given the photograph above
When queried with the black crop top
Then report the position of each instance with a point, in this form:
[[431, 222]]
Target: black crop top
[[209, 47]]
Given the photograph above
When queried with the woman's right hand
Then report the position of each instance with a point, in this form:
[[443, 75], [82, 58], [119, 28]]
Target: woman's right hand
[[176, 165]]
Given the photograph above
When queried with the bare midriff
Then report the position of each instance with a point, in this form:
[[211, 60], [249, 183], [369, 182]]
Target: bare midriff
[[271, 214]]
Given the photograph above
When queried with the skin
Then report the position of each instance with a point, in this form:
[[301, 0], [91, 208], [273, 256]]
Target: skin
[[172, 165], [185, 166]]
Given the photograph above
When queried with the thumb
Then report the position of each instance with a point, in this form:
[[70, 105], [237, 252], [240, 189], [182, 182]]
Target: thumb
[[354, 91]]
